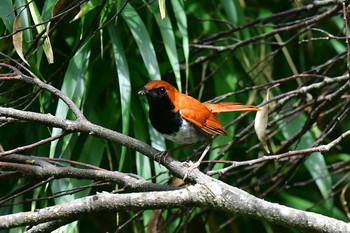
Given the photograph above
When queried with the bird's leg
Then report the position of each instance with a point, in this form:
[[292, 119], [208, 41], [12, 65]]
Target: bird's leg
[[162, 155], [196, 164]]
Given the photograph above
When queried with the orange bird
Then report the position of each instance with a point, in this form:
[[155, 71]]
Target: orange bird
[[182, 118]]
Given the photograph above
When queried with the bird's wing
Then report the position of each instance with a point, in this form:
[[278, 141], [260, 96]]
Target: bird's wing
[[230, 107], [204, 119], [198, 114]]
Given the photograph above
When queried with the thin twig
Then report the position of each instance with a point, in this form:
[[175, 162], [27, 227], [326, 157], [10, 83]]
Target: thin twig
[[322, 148]]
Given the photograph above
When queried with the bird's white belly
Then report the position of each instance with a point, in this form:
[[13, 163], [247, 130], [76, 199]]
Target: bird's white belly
[[187, 134]]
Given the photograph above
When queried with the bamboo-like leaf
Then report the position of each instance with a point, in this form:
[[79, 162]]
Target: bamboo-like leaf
[[17, 39], [143, 41], [26, 22], [143, 163], [124, 83], [315, 163], [7, 14], [181, 20], [162, 8], [86, 8], [289, 59], [73, 86], [40, 28], [166, 30], [234, 11]]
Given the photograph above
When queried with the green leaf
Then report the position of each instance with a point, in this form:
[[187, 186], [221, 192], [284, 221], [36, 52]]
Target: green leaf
[[315, 163], [40, 28], [7, 14], [166, 30], [143, 163], [86, 8], [162, 8], [143, 41], [124, 83], [181, 20], [73, 86]]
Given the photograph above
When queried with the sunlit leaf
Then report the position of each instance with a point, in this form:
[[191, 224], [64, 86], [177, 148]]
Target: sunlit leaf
[[73, 87], [124, 83], [162, 8], [86, 8], [181, 20], [40, 28], [144, 43], [166, 30]]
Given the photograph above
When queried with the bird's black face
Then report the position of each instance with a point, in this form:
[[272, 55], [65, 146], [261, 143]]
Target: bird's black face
[[157, 97], [161, 113], [157, 93]]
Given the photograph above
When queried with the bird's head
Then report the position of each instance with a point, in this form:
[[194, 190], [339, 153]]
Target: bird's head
[[159, 91]]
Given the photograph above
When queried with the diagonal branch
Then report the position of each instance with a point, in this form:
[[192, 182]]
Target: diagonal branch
[[35, 169], [35, 80], [84, 126]]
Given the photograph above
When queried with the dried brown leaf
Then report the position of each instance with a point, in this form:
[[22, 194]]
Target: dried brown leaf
[[17, 38], [260, 123]]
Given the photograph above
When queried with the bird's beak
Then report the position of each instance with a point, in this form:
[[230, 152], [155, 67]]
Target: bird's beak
[[142, 92]]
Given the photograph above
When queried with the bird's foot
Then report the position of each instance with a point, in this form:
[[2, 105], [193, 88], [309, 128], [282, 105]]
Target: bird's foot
[[161, 156], [195, 165], [191, 166]]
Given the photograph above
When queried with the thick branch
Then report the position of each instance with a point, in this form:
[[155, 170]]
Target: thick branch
[[208, 193]]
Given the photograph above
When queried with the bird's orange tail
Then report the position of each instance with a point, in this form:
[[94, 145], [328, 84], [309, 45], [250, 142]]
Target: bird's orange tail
[[230, 107]]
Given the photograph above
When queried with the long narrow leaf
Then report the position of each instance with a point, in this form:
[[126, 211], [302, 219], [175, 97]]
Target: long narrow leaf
[[73, 87], [315, 163], [7, 14], [166, 30], [124, 83], [37, 20], [143, 40], [181, 20]]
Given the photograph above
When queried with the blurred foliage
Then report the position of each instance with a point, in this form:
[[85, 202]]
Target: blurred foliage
[[104, 51]]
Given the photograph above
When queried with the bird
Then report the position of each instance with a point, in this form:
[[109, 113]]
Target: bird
[[183, 119]]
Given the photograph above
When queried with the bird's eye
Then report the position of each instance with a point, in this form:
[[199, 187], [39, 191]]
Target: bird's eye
[[161, 90]]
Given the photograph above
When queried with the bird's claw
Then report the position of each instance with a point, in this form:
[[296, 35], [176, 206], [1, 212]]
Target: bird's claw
[[191, 166], [160, 157]]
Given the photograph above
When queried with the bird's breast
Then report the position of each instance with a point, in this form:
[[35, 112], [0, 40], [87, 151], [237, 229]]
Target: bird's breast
[[174, 127], [186, 134]]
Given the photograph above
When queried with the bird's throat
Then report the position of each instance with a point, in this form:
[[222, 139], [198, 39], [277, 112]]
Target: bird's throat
[[163, 117]]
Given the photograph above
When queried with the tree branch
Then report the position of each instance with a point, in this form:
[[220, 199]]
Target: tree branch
[[207, 193], [42, 169]]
